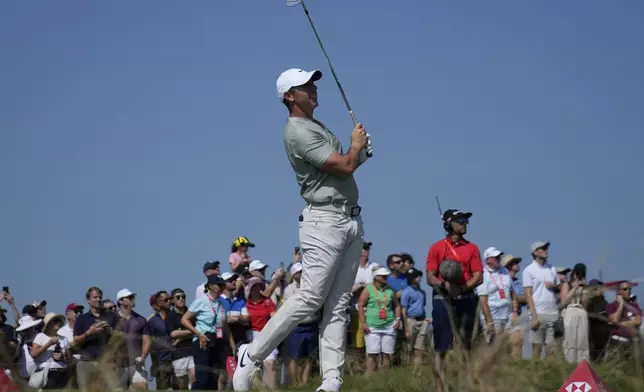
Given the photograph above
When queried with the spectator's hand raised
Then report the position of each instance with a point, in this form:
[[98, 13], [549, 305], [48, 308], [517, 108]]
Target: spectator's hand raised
[[279, 274], [8, 298]]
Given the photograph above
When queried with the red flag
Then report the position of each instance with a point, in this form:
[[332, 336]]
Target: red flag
[[584, 379]]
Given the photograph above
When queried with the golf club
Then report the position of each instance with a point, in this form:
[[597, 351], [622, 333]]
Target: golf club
[[293, 3]]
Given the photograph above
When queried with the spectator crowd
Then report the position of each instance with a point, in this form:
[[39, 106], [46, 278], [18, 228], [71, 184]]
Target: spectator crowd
[[193, 335]]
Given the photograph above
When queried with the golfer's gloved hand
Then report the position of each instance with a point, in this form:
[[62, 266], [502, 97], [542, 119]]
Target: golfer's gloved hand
[[366, 151]]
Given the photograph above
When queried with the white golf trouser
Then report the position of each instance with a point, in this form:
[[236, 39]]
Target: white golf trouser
[[331, 244]]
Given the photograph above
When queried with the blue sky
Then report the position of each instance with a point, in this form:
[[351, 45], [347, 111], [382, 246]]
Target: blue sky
[[138, 139]]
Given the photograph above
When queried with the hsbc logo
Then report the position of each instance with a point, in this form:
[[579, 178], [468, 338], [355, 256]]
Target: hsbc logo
[[578, 386]]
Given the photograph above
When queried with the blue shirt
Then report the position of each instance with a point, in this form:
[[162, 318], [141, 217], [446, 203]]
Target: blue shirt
[[414, 300], [236, 304], [497, 286], [161, 340], [397, 283], [205, 308], [517, 287], [93, 346]]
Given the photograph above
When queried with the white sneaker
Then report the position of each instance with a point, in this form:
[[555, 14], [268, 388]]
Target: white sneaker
[[246, 369], [330, 385]]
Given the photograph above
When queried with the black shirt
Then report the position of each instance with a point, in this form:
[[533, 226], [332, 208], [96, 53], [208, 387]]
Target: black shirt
[[173, 323], [93, 346]]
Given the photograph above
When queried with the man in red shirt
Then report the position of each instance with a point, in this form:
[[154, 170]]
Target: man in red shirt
[[456, 297]]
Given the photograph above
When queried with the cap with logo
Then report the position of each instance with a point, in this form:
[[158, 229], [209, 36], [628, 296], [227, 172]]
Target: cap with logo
[[74, 306], [563, 270], [295, 77], [367, 245], [39, 304], [450, 215], [256, 265], [413, 273], [491, 252], [124, 293], [539, 244]]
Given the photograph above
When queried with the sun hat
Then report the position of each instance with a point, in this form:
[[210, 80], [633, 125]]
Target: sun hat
[[381, 272], [509, 259], [254, 281], [51, 317], [26, 322], [256, 265], [295, 268]]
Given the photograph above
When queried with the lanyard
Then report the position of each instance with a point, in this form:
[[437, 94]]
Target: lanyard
[[501, 286], [384, 293], [451, 248], [215, 312]]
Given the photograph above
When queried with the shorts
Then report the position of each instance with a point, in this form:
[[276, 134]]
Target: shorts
[[132, 375], [355, 328], [418, 329], [381, 340], [463, 310], [303, 342], [182, 366], [273, 355], [546, 332]]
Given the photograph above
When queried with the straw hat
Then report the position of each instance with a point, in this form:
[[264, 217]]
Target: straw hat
[[52, 317], [508, 259]]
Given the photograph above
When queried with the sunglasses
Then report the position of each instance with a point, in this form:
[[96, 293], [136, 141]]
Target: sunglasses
[[164, 299], [111, 308], [180, 297], [626, 288]]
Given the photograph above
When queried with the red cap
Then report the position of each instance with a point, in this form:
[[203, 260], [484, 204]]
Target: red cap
[[153, 300], [74, 306]]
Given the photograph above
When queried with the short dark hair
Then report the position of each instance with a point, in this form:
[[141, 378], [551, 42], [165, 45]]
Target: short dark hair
[[90, 290], [407, 257], [391, 257], [158, 294]]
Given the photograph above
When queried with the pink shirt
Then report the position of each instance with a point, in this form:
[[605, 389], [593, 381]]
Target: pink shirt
[[236, 259]]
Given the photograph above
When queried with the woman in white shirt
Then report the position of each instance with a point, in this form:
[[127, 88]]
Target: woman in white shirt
[[27, 331], [51, 351]]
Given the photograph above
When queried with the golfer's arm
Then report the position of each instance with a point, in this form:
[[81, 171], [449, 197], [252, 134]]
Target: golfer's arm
[[342, 165], [528, 296]]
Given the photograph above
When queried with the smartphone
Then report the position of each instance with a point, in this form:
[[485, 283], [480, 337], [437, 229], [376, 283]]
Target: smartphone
[[5, 289]]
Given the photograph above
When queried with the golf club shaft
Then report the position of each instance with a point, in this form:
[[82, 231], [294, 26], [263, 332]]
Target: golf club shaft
[[337, 81]]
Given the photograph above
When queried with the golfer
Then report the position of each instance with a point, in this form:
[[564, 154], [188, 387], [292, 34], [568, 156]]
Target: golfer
[[330, 231]]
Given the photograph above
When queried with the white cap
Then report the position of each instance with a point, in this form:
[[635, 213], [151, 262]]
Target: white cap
[[27, 322], [381, 272], [539, 244], [295, 268], [491, 252], [295, 77], [256, 265], [228, 276], [123, 294]]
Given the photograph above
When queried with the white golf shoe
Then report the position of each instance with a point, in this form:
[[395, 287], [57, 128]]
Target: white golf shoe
[[246, 369], [330, 385]]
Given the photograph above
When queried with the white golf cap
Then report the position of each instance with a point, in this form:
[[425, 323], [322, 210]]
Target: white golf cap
[[539, 244], [124, 294], [256, 265], [228, 276], [295, 268], [491, 252], [381, 272], [295, 77]]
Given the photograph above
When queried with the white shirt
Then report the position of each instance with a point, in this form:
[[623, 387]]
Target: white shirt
[[363, 276], [200, 292], [26, 364], [536, 276], [495, 282], [44, 359], [67, 332]]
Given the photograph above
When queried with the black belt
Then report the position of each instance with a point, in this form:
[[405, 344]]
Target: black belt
[[418, 318]]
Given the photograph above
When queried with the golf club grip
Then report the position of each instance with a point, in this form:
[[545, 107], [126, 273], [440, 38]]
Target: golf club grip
[[355, 122]]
